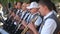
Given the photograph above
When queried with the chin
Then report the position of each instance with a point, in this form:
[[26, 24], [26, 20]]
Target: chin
[[42, 14]]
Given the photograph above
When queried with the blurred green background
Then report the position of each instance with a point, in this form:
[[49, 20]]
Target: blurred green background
[[4, 2]]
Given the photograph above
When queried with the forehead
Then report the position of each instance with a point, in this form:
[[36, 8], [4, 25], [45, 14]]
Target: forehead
[[40, 5], [18, 3], [24, 4]]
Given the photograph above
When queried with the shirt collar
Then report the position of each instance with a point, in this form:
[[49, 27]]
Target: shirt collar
[[23, 11], [54, 13], [48, 14]]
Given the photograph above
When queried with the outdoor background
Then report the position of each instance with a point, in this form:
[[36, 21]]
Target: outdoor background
[[9, 4]]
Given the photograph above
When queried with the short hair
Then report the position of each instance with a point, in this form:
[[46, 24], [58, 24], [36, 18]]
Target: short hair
[[19, 2], [54, 7], [48, 3]]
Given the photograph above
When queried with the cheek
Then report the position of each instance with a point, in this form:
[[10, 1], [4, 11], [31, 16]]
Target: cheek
[[31, 10], [40, 10], [18, 6], [24, 7]]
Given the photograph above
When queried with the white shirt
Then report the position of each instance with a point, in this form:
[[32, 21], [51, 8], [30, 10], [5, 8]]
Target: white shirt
[[23, 13], [26, 16], [37, 22], [17, 12], [49, 26]]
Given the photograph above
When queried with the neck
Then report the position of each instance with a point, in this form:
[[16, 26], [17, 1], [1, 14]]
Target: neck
[[47, 11], [24, 10], [18, 8]]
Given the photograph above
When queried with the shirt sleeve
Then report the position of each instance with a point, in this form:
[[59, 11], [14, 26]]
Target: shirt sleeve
[[49, 27], [38, 21], [26, 16], [22, 15]]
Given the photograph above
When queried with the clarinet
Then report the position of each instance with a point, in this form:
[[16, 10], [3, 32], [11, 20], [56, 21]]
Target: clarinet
[[26, 28]]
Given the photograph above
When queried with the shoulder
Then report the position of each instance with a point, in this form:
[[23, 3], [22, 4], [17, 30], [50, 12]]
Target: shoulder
[[50, 21]]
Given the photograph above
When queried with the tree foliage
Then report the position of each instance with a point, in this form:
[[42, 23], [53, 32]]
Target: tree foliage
[[5, 2]]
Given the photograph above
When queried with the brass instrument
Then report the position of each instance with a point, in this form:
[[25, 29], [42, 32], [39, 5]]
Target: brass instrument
[[26, 28], [18, 26]]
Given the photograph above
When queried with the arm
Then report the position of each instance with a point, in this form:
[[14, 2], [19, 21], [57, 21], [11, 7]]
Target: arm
[[24, 23], [32, 27], [35, 25]]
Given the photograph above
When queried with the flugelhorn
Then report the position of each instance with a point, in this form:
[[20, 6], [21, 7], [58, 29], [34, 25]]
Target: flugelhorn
[[19, 24], [26, 28]]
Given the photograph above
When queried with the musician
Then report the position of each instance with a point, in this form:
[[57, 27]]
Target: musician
[[13, 13], [34, 12], [2, 31], [10, 19], [25, 11], [23, 15], [15, 10], [15, 5], [18, 8], [49, 24], [11, 22], [18, 5]]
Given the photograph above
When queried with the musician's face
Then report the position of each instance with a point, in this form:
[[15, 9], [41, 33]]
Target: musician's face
[[28, 5], [15, 6], [19, 5], [42, 10], [24, 5], [33, 10]]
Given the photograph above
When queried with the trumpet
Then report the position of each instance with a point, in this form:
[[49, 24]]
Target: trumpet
[[19, 25], [26, 28]]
